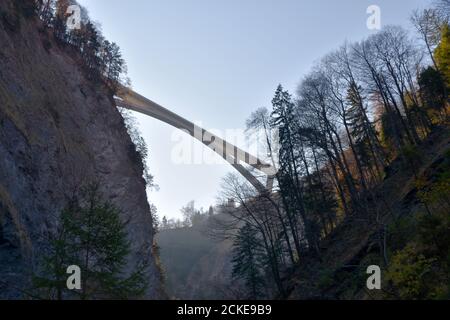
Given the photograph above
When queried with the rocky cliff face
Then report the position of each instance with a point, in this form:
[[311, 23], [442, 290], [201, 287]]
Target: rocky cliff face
[[58, 131]]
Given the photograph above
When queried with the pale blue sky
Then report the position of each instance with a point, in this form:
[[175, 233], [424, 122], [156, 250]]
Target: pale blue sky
[[216, 61]]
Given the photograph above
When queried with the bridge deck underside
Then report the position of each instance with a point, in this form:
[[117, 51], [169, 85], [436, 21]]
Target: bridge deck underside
[[235, 156]]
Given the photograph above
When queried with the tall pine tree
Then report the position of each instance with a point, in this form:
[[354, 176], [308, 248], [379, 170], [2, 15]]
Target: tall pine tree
[[91, 236], [248, 261]]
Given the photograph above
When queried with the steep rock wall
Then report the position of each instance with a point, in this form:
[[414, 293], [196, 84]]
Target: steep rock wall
[[58, 131]]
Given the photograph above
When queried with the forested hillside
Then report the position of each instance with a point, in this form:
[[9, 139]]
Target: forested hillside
[[409, 240], [196, 267], [363, 173]]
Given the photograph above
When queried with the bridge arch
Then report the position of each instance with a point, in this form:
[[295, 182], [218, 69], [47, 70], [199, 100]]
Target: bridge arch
[[127, 98]]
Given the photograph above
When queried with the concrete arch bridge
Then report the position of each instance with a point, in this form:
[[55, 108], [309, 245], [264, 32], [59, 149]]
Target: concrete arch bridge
[[127, 98]]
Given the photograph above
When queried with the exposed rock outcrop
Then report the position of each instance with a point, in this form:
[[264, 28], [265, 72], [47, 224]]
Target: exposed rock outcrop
[[58, 131]]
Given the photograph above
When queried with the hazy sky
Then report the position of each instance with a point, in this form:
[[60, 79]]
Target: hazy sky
[[215, 61]]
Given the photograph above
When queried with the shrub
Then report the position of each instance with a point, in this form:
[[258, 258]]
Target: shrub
[[408, 273]]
